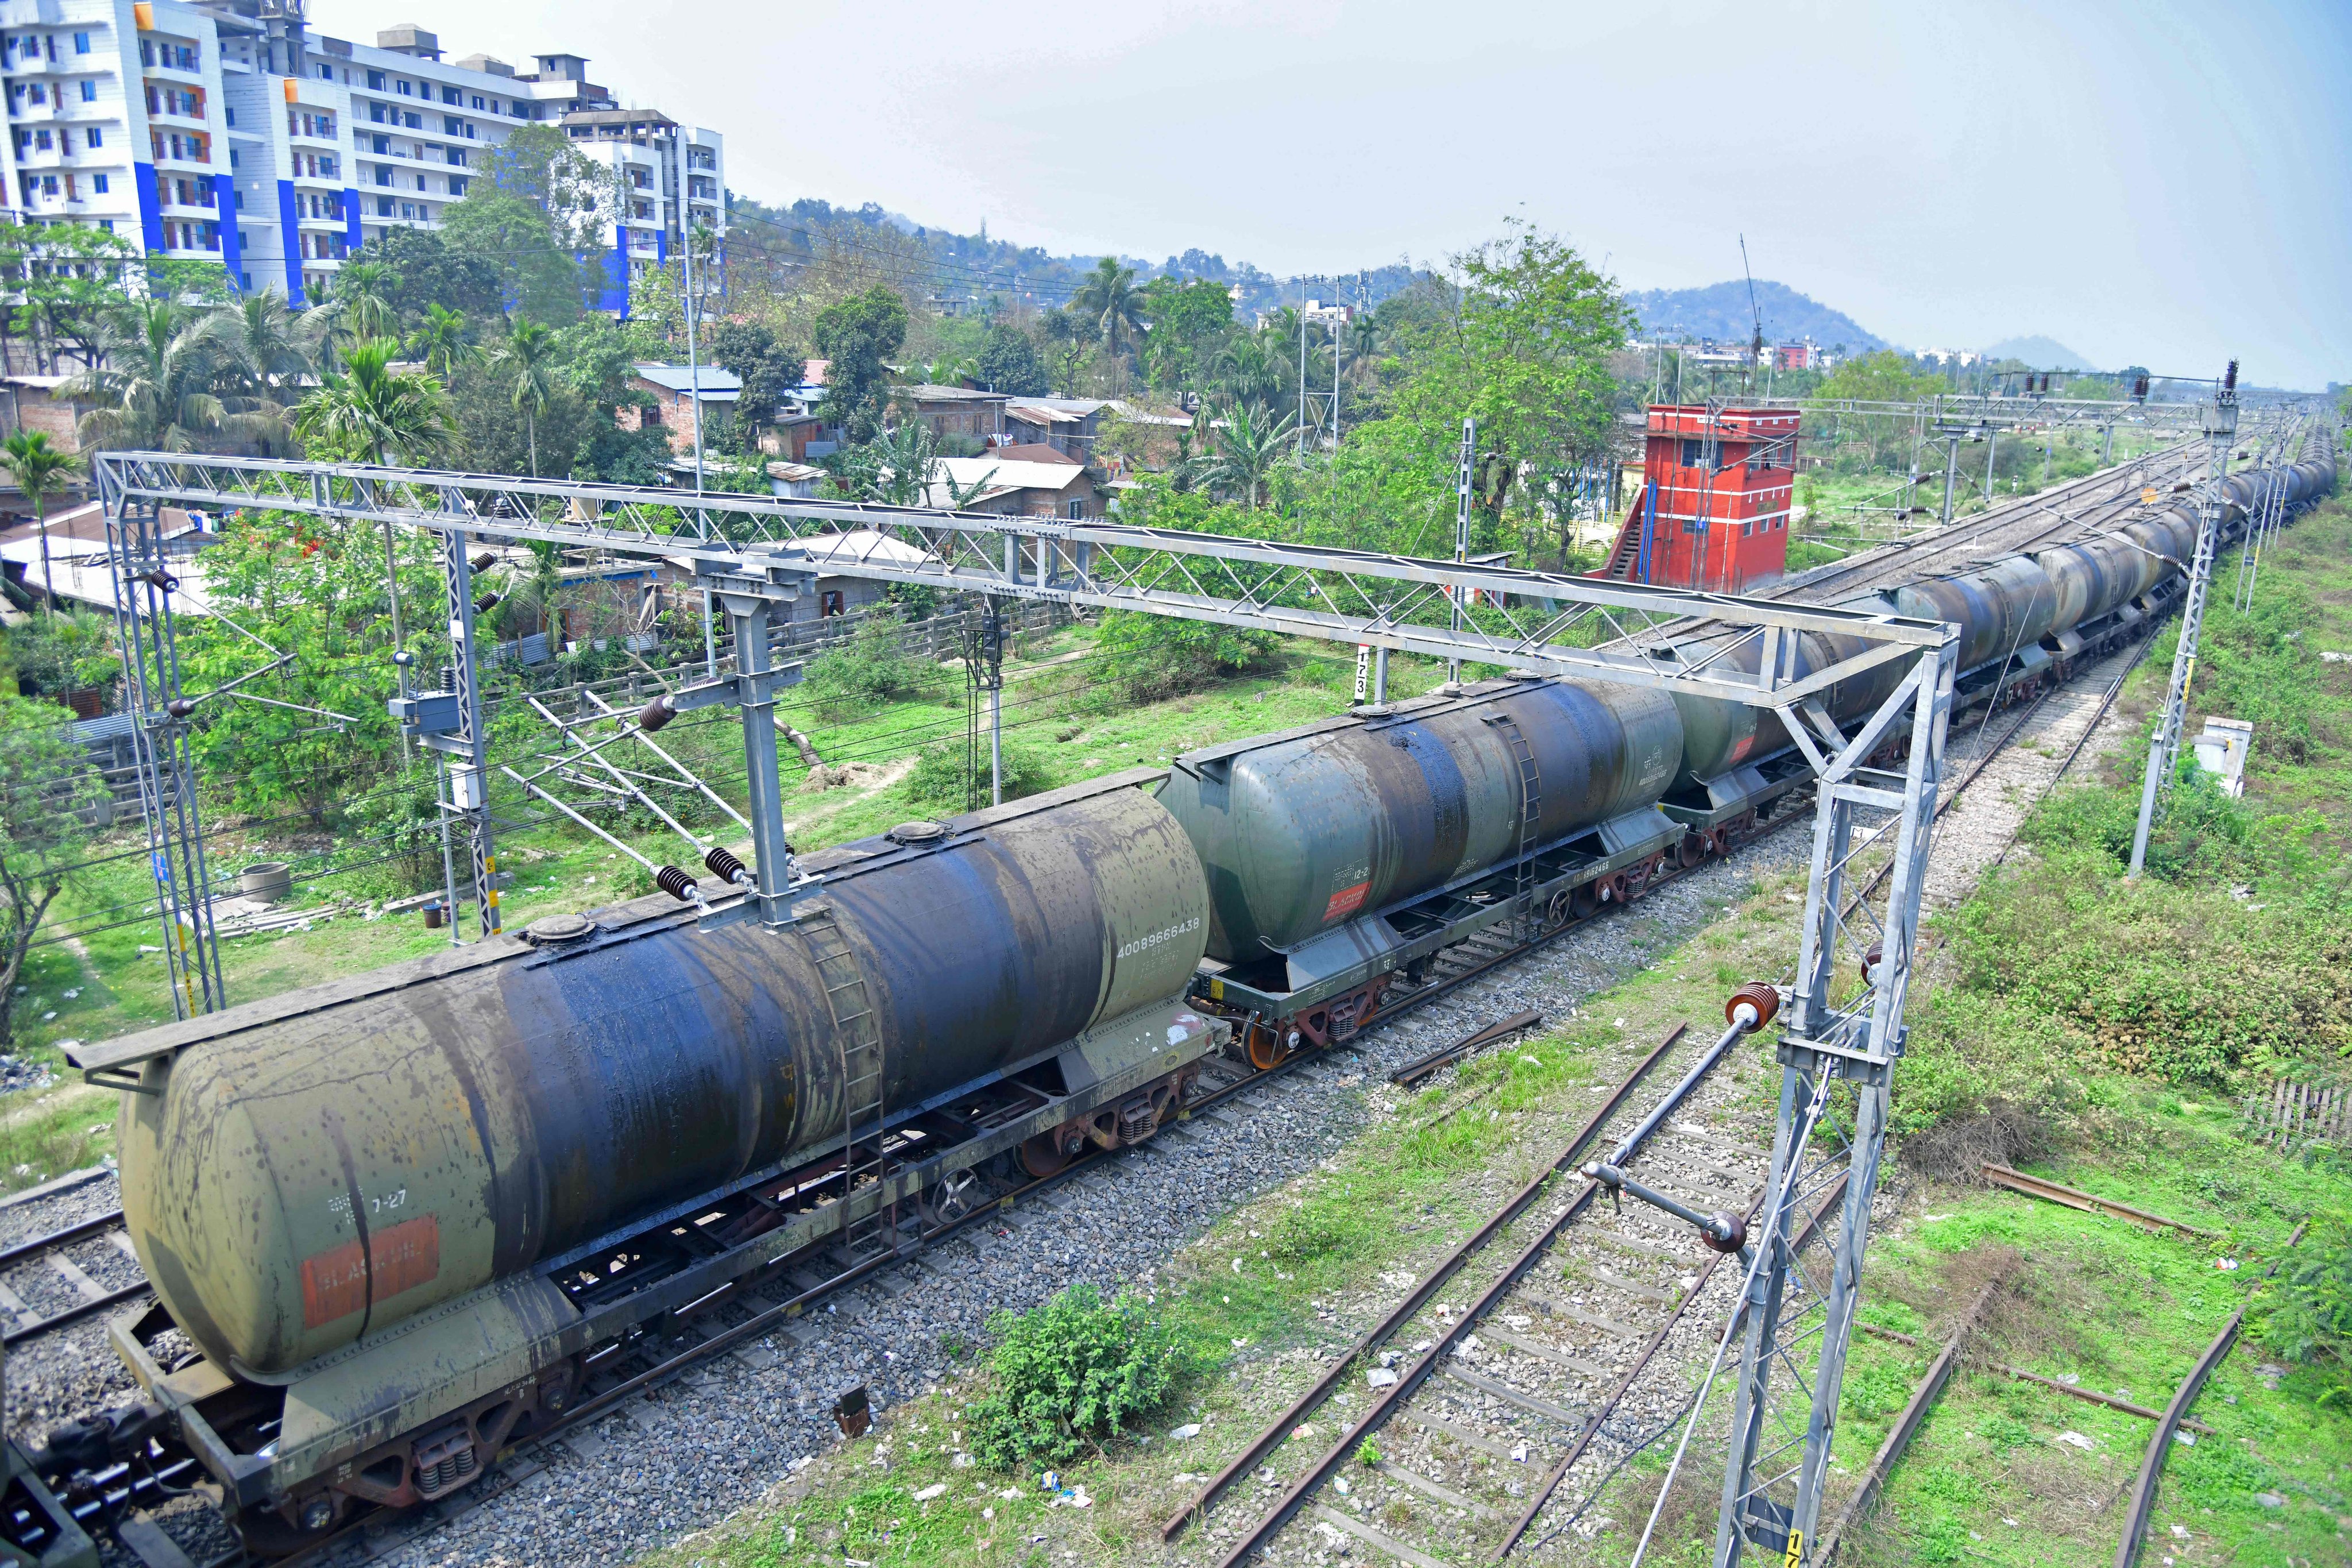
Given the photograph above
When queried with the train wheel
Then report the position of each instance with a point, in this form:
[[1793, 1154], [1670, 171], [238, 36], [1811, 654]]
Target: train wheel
[[1584, 902], [1266, 1048], [1043, 1155], [1694, 848]]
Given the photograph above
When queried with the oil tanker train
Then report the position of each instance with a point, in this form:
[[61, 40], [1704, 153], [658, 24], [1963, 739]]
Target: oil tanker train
[[397, 1222]]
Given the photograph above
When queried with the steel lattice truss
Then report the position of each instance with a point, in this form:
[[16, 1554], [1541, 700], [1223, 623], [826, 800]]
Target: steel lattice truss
[[1544, 623]]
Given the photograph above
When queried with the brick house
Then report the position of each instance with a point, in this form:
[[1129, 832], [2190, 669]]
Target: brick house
[[1062, 489], [673, 389]]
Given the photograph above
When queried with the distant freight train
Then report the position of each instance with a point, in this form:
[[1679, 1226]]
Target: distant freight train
[[406, 1218]]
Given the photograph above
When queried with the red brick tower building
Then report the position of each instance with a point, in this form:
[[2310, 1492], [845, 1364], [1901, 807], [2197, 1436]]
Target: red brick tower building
[[1714, 508]]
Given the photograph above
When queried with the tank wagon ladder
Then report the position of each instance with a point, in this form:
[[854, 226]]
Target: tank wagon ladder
[[1530, 809], [863, 1153]]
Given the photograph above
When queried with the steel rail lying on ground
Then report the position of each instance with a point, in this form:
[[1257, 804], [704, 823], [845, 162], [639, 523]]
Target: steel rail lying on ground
[[2159, 1447], [1906, 1425]]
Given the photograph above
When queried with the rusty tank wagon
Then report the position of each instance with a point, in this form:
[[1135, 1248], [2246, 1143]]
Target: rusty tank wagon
[[403, 1216]]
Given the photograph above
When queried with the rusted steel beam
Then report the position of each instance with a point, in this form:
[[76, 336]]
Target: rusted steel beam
[[1413, 1072], [2151, 1465], [2090, 1202], [2090, 1396], [1906, 1425], [1272, 1437]]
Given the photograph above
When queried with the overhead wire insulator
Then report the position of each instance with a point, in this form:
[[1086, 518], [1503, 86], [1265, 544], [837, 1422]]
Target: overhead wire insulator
[[656, 714], [677, 884], [727, 867]]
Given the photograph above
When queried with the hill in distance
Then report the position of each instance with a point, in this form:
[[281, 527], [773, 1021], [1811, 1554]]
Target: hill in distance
[[1721, 311], [2041, 352]]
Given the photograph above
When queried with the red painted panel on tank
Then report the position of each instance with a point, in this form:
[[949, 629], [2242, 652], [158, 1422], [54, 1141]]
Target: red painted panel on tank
[[344, 1279]]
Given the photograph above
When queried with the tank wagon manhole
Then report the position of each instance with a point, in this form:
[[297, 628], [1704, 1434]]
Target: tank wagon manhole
[[918, 832], [558, 928]]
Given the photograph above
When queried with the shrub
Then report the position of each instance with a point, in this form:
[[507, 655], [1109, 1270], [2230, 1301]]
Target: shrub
[[939, 780], [1143, 657], [869, 669], [2306, 1314], [1070, 1375]]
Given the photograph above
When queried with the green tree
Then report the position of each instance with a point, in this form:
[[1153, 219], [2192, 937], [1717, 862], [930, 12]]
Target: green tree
[[364, 291], [538, 164], [525, 361], [1189, 323], [1522, 346], [427, 271], [374, 413], [856, 336], [38, 468], [1249, 448], [1009, 363], [46, 783], [767, 369], [70, 282], [1110, 302], [154, 387], [537, 272], [443, 341], [267, 353]]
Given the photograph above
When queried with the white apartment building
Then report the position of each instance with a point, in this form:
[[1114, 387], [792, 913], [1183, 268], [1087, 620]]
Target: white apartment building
[[221, 130]]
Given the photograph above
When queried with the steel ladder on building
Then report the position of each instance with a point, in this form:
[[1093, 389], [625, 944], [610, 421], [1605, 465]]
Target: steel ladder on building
[[859, 1040], [1528, 919]]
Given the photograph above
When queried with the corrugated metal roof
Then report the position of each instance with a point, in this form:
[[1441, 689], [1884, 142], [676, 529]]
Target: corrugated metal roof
[[716, 384]]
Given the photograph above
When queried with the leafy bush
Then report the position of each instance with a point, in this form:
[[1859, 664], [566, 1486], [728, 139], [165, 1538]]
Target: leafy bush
[[871, 668], [2305, 1315], [1143, 659], [1070, 1375], [939, 780]]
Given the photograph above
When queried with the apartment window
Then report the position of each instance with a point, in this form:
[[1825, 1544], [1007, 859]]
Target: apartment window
[[41, 140], [234, 157], [375, 81], [240, 206], [97, 183], [383, 206], [405, 87], [456, 186], [477, 101], [458, 157], [326, 73], [451, 96], [105, 223], [412, 119], [97, 137], [34, 93], [449, 123], [1078, 509], [228, 111], [90, 93], [81, 43], [49, 185], [420, 182], [383, 176]]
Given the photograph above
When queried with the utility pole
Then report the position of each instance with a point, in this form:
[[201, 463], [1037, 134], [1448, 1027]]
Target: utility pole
[[1464, 477], [2164, 748], [1951, 434], [1302, 368], [694, 380]]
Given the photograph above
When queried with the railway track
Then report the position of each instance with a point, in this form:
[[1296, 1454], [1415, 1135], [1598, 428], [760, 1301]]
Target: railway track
[[74, 1272], [1469, 1431]]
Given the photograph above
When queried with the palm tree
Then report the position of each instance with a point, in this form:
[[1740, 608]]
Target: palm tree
[[445, 341], [373, 411], [363, 290], [154, 386], [37, 467], [1246, 371], [527, 358], [265, 352], [1249, 448], [1110, 300]]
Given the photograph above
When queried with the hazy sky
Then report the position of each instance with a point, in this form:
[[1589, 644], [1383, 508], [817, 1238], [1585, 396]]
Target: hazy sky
[[2158, 182]]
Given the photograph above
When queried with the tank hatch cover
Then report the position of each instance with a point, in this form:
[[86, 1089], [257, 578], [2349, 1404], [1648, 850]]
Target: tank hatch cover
[[558, 928], [918, 832]]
